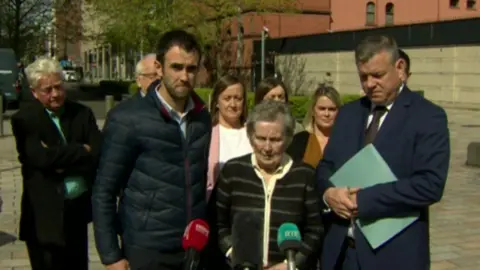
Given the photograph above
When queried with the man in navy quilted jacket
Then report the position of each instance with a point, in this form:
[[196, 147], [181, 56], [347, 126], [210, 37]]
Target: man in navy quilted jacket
[[156, 150]]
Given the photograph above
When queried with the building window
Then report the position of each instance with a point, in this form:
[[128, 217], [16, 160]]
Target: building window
[[471, 4], [389, 13], [370, 13], [454, 3]]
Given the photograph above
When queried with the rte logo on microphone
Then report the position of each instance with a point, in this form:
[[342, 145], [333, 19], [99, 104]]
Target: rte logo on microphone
[[202, 229], [292, 234]]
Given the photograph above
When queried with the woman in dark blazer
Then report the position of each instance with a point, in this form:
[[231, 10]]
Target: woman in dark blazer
[[308, 145]]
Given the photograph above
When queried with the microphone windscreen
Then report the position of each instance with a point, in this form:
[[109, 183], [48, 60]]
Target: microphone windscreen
[[247, 240], [196, 235], [289, 237]]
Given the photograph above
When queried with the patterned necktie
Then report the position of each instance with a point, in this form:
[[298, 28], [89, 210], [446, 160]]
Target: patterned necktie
[[372, 129]]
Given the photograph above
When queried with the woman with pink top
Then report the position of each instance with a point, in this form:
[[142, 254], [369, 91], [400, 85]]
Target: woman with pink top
[[228, 108]]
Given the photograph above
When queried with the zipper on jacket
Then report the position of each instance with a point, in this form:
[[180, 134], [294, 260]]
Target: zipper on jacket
[[189, 191], [268, 189], [188, 184]]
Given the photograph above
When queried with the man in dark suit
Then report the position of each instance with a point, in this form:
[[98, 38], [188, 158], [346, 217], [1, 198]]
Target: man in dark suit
[[412, 136], [58, 145]]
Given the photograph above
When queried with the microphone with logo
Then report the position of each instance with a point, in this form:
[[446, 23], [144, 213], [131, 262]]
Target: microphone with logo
[[194, 240], [247, 241], [289, 242]]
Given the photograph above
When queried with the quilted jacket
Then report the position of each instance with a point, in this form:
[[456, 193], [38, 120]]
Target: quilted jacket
[[161, 175]]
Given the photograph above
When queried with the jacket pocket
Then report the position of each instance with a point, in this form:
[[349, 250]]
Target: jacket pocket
[[147, 210]]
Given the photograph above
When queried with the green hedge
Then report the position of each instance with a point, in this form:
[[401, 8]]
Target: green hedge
[[299, 104], [133, 89]]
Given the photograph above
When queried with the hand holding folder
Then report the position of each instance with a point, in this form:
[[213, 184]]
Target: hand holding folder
[[367, 168]]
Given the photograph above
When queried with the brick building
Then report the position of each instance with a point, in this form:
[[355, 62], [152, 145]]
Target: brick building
[[444, 58], [309, 17], [351, 15]]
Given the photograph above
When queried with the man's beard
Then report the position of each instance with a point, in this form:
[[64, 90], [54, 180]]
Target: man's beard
[[176, 95]]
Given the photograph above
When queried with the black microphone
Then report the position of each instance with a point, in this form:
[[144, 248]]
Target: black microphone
[[247, 241]]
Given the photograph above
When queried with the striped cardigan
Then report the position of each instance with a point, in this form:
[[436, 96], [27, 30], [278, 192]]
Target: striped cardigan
[[295, 199]]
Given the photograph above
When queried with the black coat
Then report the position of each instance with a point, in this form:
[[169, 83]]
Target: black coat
[[42, 216]]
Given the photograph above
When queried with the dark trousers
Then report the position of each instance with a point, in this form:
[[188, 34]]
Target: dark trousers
[[348, 259], [146, 259], [72, 256]]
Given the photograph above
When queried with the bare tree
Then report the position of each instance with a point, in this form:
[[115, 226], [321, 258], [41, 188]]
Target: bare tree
[[213, 21], [24, 21], [294, 74], [68, 25]]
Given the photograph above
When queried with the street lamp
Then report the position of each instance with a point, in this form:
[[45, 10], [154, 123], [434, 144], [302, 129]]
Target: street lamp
[[262, 62], [239, 39]]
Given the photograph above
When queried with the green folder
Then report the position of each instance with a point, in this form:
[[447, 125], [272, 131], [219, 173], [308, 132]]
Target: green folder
[[367, 168]]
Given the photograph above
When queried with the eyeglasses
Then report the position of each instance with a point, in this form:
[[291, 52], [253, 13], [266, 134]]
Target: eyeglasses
[[148, 75], [49, 90]]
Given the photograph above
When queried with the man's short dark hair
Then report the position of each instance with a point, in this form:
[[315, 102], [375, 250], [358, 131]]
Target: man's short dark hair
[[372, 45], [403, 55], [179, 38]]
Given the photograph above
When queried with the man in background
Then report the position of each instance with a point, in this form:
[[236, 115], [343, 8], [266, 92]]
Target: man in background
[[406, 69], [58, 144], [146, 73]]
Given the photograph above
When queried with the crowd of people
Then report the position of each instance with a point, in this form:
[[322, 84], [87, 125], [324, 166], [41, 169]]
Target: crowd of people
[[165, 160]]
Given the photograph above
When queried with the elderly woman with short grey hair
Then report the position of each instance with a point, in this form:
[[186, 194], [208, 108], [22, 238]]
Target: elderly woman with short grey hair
[[268, 182]]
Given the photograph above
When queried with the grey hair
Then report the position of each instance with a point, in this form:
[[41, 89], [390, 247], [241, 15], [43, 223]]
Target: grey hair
[[372, 45], [271, 111], [41, 67], [140, 67]]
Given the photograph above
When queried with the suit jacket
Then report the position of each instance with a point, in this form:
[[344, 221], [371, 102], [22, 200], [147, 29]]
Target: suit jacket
[[43, 186], [414, 141]]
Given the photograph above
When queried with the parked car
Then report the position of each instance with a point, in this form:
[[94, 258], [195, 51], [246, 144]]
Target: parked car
[[13, 82], [70, 74]]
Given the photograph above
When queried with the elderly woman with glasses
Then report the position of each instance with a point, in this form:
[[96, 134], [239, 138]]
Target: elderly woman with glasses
[[269, 182]]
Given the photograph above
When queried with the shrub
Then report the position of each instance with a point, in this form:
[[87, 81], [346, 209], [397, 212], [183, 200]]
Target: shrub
[[299, 104], [133, 89], [204, 94]]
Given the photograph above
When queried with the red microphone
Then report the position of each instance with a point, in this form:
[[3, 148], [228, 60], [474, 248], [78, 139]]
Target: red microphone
[[194, 240]]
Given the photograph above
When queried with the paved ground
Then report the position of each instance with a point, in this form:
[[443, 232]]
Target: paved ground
[[455, 222]]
